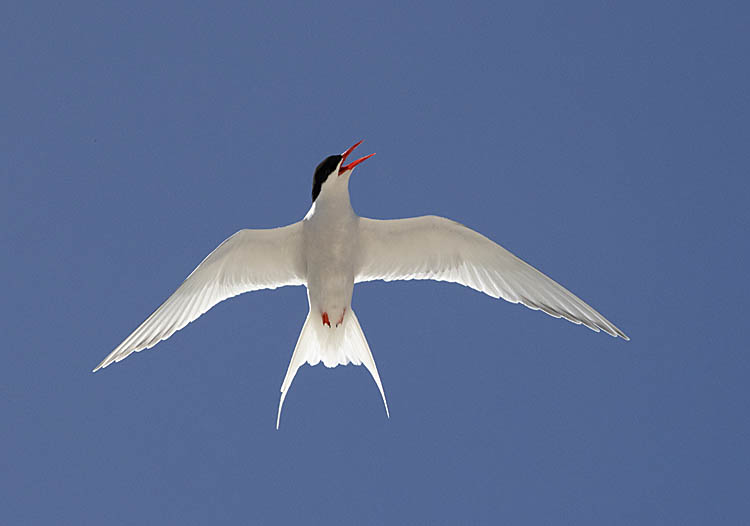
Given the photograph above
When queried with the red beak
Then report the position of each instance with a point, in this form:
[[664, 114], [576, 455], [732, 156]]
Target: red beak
[[351, 165]]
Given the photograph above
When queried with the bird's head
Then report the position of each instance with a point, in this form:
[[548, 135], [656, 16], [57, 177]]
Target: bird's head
[[333, 170]]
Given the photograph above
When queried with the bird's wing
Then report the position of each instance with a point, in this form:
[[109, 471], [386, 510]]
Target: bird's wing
[[437, 248], [248, 260]]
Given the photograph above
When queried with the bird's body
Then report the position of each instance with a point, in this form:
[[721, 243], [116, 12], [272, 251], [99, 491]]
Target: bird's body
[[331, 241], [329, 251]]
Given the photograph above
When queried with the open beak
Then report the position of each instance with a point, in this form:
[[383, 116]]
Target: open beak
[[351, 165]]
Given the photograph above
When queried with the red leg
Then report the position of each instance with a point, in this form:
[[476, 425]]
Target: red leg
[[326, 321], [341, 319]]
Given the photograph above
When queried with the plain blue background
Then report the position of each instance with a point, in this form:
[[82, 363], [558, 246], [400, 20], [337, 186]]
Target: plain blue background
[[605, 143]]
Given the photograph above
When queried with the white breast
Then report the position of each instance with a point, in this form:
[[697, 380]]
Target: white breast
[[331, 240]]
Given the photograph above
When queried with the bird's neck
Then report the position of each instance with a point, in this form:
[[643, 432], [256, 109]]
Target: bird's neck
[[332, 201]]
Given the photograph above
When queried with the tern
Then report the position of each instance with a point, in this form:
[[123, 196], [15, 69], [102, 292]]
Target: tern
[[329, 251]]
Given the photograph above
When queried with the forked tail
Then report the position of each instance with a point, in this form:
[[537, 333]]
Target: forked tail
[[333, 346]]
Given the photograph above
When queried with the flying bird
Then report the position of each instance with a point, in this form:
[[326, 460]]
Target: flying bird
[[330, 250]]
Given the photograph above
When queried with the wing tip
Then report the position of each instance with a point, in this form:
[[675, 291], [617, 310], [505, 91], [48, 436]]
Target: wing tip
[[612, 331], [616, 333], [102, 365], [111, 358]]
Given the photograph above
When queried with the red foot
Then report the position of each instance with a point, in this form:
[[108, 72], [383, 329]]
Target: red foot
[[326, 321], [341, 319]]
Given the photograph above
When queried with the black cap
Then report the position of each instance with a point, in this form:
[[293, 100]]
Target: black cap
[[324, 169]]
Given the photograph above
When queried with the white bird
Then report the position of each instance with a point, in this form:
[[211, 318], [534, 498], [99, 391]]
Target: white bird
[[333, 248]]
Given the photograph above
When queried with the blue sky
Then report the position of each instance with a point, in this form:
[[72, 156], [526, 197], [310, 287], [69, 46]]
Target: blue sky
[[604, 143]]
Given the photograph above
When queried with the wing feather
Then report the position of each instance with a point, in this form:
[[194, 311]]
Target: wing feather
[[248, 260], [432, 247]]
